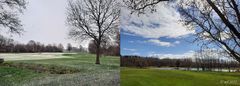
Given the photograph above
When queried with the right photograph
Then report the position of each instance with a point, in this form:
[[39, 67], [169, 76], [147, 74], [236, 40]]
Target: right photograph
[[180, 43]]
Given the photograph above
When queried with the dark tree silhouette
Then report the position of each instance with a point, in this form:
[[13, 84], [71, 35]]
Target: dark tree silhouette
[[9, 10], [93, 19], [69, 47], [31, 46]]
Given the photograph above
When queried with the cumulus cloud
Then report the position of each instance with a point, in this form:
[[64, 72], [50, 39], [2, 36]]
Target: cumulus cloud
[[159, 43], [163, 23]]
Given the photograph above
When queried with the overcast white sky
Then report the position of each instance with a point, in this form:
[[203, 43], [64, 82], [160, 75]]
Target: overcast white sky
[[45, 21]]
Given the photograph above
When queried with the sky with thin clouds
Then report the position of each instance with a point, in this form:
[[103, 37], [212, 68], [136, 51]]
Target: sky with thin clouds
[[45, 21], [159, 34]]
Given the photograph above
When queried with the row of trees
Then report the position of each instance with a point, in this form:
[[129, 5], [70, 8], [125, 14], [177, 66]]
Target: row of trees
[[137, 61], [206, 60], [199, 64], [10, 46]]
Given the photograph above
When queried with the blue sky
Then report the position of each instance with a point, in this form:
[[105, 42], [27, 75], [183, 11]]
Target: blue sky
[[157, 34]]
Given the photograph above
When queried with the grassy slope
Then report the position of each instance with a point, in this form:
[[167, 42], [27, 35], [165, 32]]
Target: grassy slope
[[155, 77], [106, 74]]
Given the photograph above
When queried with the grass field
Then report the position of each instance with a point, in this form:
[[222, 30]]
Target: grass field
[[156, 77], [89, 74]]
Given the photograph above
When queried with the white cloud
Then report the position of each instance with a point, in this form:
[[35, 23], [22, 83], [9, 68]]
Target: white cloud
[[128, 49], [162, 43], [163, 23], [159, 43], [177, 42], [135, 53], [188, 54]]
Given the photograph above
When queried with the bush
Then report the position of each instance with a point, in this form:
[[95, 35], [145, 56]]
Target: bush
[[1, 60]]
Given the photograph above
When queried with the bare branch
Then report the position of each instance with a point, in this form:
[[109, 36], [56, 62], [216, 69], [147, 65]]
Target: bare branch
[[139, 6], [9, 10]]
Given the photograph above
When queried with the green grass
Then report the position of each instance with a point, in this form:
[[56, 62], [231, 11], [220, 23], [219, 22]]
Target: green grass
[[13, 76], [106, 74], [156, 77]]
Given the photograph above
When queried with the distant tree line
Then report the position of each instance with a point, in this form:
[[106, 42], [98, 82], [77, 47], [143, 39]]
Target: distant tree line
[[200, 64], [138, 61], [8, 45], [70, 48], [201, 61]]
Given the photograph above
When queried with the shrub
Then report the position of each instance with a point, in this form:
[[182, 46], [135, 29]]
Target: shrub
[[1, 60]]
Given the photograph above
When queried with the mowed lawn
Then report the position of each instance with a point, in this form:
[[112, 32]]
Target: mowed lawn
[[156, 77], [89, 74]]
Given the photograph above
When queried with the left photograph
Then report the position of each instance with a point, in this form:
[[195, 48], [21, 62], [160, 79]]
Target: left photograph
[[59, 43]]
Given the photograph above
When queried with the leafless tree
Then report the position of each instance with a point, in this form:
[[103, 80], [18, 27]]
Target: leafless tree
[[140, 6], [9, 10], [93, 19], [31, 46], [215, 23]]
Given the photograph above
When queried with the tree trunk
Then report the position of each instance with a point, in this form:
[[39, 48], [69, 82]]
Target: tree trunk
[[229, 69], [98, 54]]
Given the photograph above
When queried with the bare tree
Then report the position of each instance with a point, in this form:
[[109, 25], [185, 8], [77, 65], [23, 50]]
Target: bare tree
[[215, 23], [9, 10], [93, 19], [31, 46]]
